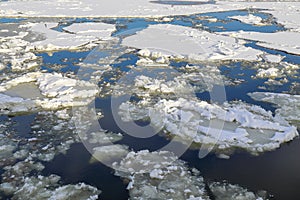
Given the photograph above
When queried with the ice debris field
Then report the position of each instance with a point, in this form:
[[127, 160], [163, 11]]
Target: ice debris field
[[147, 99]]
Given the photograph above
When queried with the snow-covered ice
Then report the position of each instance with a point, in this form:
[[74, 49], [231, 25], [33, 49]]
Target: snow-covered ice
[[39, 188], [288, 106], [50, 92], [161, 175], [249, 19], [286, 41], [81, 35], [225, 127], [192, 44]]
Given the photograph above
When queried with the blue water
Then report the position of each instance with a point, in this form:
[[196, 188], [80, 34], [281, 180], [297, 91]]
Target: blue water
[[11, 20]]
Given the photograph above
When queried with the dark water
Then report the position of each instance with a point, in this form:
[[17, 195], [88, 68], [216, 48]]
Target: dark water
[[74, 167]]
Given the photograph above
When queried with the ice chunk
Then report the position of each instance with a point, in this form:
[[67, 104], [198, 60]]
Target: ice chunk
[[288, 105], [83, 35], [268, 73], [109, 153], [226, 191], [228, 126], [159, 175], [14, 53], [272, 58], [38, 188], [249, 19], [55, 92]]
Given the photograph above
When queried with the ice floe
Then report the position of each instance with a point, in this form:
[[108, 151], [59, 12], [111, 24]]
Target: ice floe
[[78, 35], [200, 45], [161, 175], [288, 105], [286, 41], [40, 188], [226, 191], [276, 73], [99, 30], [48, 91], [226, 127], [14, 53], [109, 153], [249, 19]]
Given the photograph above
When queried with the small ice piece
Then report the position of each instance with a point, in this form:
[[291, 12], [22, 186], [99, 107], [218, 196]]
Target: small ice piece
[[6, 150], [109, 153], [268, 73], [156, 173], [226, 191], [48, 188], [101, 137], [249, 19], [7, 188], [2, 66], [273, 58]]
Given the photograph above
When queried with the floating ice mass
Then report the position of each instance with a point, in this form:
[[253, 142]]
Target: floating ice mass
[[224, 127], [288, 105], [160, 175], [192, 44], [45, 91], [249, 19], [78, 35], [276, 40]]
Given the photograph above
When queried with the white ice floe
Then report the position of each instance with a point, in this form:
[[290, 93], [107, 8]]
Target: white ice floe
[[272, 71], [161, 86], [272, 58], [48, 188], [286, 41], [45, 90], [98, 30], [288, 105], [146, 81], [268, 73], [226, 191], [160, 175], [81, 35], [14, 53], [200, 45], [286, 14], [109, 153], [249, 19], [229, 126]]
